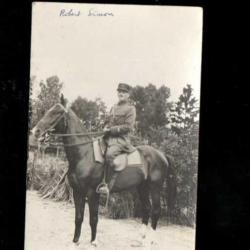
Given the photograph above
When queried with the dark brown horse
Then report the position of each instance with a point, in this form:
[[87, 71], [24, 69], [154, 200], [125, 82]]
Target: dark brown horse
[[84, 173]]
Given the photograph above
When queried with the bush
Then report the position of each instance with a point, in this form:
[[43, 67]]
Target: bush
[[182, 177], [46, 173]]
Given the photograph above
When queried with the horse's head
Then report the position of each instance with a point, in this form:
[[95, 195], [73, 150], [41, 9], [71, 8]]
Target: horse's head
[[54, 119]]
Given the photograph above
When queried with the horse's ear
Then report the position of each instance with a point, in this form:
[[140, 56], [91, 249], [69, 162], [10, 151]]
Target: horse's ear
[[62, 100]]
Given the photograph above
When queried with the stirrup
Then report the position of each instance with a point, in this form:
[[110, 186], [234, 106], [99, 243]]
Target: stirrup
[[102, 188]]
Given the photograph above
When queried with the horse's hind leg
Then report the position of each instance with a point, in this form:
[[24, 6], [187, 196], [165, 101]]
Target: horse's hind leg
[[93, 201], [79, 200], [143, 191], [155, 214], [155, 190]]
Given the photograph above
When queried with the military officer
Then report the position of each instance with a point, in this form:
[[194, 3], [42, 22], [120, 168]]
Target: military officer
[[120, 124]]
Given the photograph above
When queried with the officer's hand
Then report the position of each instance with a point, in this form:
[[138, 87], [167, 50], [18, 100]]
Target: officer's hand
[[106, 130]]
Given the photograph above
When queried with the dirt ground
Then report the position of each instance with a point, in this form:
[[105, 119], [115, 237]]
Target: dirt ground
[[50, 226]]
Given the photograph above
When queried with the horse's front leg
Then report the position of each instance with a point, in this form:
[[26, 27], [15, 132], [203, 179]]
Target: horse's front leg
[[79, 200], [93, 201]]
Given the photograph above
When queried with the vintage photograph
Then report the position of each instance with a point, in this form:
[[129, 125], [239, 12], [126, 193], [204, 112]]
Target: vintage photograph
[[113, 127]]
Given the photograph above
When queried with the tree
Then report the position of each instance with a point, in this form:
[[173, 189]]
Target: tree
[[182, 145], [48, 96], [92, 113], [184, 112], [102, 109], [151, 107]]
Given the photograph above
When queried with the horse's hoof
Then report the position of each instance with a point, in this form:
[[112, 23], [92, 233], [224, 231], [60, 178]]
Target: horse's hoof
[[74, 246], [94, 243], [76, 241]]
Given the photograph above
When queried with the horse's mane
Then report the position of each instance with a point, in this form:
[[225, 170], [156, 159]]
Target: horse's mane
[[76, 122]]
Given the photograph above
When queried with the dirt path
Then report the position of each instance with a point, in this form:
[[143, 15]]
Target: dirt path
[[50, 226]]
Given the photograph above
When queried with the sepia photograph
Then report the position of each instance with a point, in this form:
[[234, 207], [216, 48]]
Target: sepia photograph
[[114, 107]]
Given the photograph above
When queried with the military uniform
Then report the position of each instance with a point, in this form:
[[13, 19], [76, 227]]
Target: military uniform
[[121, 124]]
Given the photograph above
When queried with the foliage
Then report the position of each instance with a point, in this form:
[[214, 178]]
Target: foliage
[[92, 113], [181, 143], [48, 96], [184, 112], [121, 206], [182, 176], [44, 173], [151, 107]]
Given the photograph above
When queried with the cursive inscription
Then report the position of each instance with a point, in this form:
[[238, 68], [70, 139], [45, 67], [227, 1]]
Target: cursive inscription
[[69, 12], [94, 12]]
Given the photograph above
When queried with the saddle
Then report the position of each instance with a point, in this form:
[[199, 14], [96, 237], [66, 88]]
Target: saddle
[[121, 161]]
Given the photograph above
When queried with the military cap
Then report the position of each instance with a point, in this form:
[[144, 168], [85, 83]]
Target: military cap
[[123, 87]]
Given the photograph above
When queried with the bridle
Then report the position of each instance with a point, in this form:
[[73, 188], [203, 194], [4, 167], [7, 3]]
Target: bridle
[[63, 116]]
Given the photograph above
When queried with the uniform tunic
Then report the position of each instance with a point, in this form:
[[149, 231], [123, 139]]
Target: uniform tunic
[[121, 124]]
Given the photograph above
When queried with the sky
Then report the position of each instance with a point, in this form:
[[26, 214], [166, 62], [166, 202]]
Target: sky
[[137, 45]]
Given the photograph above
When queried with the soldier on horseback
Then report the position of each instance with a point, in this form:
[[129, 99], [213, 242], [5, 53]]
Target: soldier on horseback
[[146, 174], [120, 124]]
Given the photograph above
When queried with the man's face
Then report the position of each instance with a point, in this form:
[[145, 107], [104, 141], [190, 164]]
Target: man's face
[[123, 95]]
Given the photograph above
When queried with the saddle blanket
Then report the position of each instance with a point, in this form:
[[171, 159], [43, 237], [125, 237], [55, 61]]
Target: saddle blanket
[[98, 154], [121, 161]]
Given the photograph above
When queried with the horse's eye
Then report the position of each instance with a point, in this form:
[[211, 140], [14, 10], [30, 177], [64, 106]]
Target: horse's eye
[[37, 132]]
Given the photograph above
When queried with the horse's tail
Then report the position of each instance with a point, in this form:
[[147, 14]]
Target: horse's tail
[[166, 161], [169, 163]]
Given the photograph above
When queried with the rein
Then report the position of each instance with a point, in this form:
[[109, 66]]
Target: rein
[[77, 134], [74, 144], [80, 134]]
